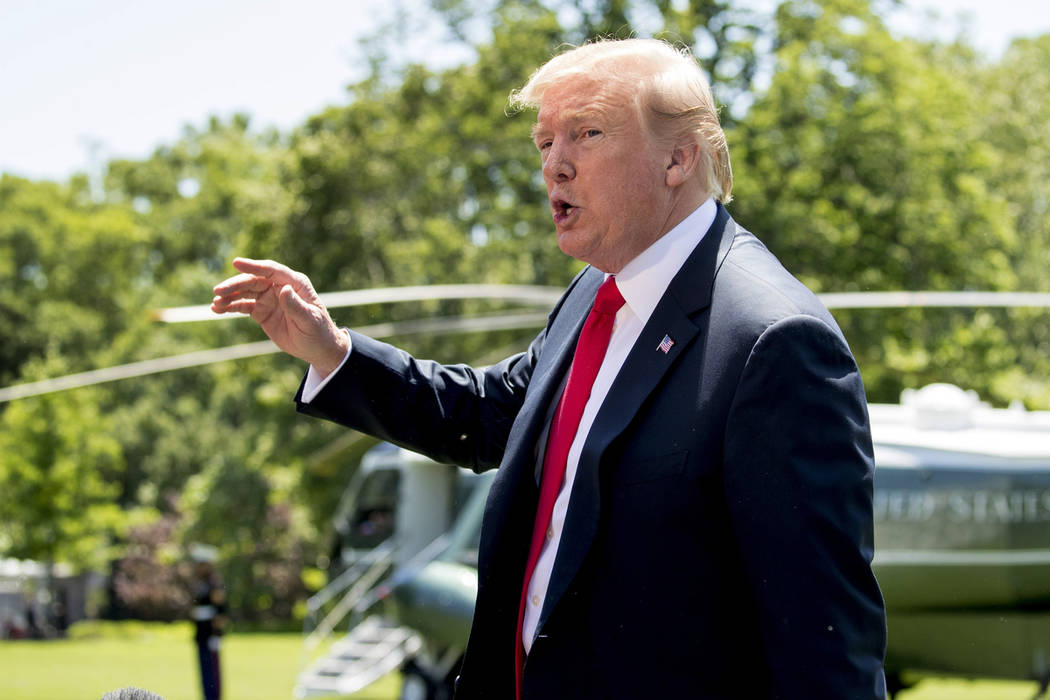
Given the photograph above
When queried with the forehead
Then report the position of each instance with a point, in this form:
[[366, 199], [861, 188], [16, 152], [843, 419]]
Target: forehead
[[580, 98]]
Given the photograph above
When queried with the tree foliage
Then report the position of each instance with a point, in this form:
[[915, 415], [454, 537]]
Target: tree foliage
[[864, 166], [62, 464]]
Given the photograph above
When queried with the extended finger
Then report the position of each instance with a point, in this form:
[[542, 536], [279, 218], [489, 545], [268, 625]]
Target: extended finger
[[226, 300], [242, 284], [236, 306], [280, 275], [274, 271]]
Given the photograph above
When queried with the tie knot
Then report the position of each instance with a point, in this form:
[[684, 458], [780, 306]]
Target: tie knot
[[608, 300]]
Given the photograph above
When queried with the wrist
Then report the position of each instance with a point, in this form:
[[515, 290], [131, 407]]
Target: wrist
[[334, 354]]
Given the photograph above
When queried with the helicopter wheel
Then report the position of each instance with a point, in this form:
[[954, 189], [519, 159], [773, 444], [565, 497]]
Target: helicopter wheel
[[416, 684], [413, 687]]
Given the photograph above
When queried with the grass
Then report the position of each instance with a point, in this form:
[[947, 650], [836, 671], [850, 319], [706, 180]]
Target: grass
[[161, 658], [956, 689]]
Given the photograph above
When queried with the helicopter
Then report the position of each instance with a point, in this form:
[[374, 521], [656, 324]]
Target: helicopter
[[962, 526]]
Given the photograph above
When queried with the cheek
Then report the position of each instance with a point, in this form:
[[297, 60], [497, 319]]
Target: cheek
[[632, 194]]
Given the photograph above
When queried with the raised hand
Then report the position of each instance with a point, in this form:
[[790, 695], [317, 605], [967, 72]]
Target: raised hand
[[284, 304]]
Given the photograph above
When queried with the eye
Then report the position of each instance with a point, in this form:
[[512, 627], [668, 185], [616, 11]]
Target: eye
[[544, 145], [591, 133]]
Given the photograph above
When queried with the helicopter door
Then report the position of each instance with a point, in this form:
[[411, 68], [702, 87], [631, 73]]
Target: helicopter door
[[374, 516]]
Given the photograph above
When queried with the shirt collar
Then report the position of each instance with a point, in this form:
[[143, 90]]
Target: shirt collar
[[643, 280]]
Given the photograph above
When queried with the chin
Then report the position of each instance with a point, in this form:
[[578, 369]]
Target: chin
[[592, 254], [566, 244], [570, 243]]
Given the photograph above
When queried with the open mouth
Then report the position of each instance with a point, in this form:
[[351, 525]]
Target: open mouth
[[562, 209]]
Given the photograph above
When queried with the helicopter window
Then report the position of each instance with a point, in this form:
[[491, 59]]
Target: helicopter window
[[374, 517]]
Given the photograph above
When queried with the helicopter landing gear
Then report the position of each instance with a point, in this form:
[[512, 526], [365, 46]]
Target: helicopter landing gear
[[415, 686], [422, 680]]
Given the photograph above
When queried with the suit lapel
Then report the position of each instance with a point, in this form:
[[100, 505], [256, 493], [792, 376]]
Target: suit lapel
[[643, 370], [688, 294], [516, 475], [553, 363]]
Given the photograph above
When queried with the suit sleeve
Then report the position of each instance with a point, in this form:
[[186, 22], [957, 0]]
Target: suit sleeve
[[798, 480], [452, 413]]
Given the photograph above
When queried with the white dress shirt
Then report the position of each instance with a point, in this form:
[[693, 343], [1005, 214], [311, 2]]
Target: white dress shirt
[[642, 283]]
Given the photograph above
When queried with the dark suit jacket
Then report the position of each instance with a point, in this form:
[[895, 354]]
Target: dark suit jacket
[[719, 533]]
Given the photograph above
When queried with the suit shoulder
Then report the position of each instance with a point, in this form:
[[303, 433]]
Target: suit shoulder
[[757, 291]]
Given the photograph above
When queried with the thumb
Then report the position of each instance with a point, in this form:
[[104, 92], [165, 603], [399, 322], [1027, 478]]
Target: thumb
[[295, 307]]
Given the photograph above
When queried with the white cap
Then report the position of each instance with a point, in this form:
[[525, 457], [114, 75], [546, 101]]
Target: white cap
[[203, 553]]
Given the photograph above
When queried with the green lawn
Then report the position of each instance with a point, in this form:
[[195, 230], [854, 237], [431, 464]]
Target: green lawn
[[953, 689], [255, 667]]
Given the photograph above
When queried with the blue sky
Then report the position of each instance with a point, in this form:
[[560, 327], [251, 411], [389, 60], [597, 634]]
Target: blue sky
[[83, 81]]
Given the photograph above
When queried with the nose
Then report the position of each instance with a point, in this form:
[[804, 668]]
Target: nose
[[558, 164]]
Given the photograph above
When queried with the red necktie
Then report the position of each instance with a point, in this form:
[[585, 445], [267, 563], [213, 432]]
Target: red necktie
[[590, 351]]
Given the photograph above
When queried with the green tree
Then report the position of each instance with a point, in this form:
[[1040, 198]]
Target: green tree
[[215, 193], [84, 274], [1013, 100], [423, 180], [60, 471], [864, 168], [67, 265], [726, 36]]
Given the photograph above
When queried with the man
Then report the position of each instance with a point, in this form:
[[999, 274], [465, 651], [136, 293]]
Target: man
[[683, 502], [209, 617]]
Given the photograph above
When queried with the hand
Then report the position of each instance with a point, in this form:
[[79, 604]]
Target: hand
[[284, 304]]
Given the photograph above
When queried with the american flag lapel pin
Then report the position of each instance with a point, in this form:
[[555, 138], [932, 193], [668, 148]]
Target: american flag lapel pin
[[665, 344]]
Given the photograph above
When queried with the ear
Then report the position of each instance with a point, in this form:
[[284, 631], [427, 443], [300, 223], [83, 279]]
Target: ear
[[684, 159]]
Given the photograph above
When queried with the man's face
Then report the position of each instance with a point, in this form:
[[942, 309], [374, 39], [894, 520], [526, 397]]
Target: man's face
[[605, 180]]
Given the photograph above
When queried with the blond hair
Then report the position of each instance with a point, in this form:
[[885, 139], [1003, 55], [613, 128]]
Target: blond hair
[[670, 90]]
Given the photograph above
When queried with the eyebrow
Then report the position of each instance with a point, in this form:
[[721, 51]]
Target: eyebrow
[[571, 116]]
